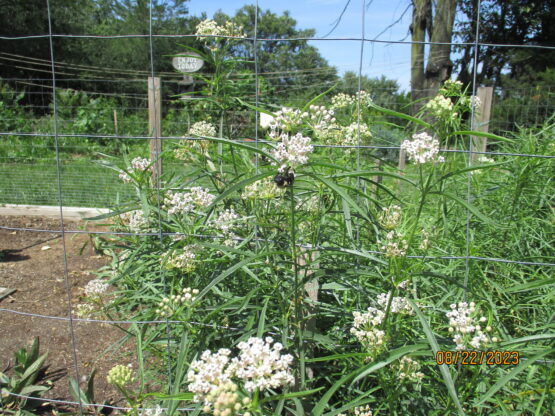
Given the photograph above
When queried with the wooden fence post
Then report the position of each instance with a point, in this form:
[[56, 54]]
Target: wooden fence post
[[481, 120], [155, 124]]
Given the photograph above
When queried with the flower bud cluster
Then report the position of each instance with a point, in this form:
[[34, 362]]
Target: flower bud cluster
[[120, 375], [185, 202], [362, 411], [321, 117], [451, 88], [156, 411], [262, 189], [350, 134], [135, 220], [85, 310], [226, 400], [209, 27], [184, 260], [292, 151], [485, 159], [466, 327], [390, 217], [311, 204], [441, 107], [422, 149], [395, 245], [169, 305], [425, 243], [96, 288], [286, 120], [138, 164], [342, 100], [409, 370], [225, 224], [259, 366], [202, 129], [365, 331], [399, 304]]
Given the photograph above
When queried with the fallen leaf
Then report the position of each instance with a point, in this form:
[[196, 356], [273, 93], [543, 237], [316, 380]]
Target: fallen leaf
[[45, 248]]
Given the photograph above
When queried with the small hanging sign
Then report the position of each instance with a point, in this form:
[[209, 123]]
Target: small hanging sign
[[189, 62]]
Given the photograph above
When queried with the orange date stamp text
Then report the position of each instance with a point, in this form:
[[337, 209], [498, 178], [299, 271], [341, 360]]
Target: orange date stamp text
[[478, 357]]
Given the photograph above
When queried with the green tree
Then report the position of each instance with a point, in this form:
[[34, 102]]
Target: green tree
[[293, 69], [506, 22]]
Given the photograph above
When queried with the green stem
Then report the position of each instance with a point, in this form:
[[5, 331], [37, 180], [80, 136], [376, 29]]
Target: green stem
[[297, 306]]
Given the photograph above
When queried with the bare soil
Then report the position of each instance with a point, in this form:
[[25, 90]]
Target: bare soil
[[33, 263]]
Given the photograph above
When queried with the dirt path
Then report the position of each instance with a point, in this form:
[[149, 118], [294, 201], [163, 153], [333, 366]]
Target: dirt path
[[37, 273]]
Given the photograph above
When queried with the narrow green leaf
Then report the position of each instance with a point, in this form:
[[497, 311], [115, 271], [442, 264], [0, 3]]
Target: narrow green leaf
[[335, 187], [291, 395], [468, 206], [262, 320], [512, 374], [536, 284], [364, 173], [308, 104], [443, 368], [401, 115], [230, 271], [480, 134], [391, 356]]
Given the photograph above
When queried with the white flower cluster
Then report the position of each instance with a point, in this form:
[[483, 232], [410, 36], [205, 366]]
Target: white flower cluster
[[155, 411], [202, 129], [466, 327], [409, 370], [390, 217], [170, 305], [260, 366], [96, 288], [342, 100], [185, 260], [451, 87], [425, 243], [135, 220], [286, 120], [185, 202], [85, 310], [475, 102], [395, 245], [422, 149], [137, 164], [209, 27], [225, 224], [311, 204], [485, 159], [441, 107], [344, 135], [321, 117], [365, 331], [399, 304], [262, 189], [350, 133], [292, 151], [362, 411]]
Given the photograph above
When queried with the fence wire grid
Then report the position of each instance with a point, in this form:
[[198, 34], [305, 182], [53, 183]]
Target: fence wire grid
[[61, 175]]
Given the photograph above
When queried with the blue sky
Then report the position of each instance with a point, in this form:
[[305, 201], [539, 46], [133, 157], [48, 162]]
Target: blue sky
[[390, 60]]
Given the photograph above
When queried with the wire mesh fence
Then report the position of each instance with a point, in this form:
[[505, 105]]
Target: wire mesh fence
[[56, 139]]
